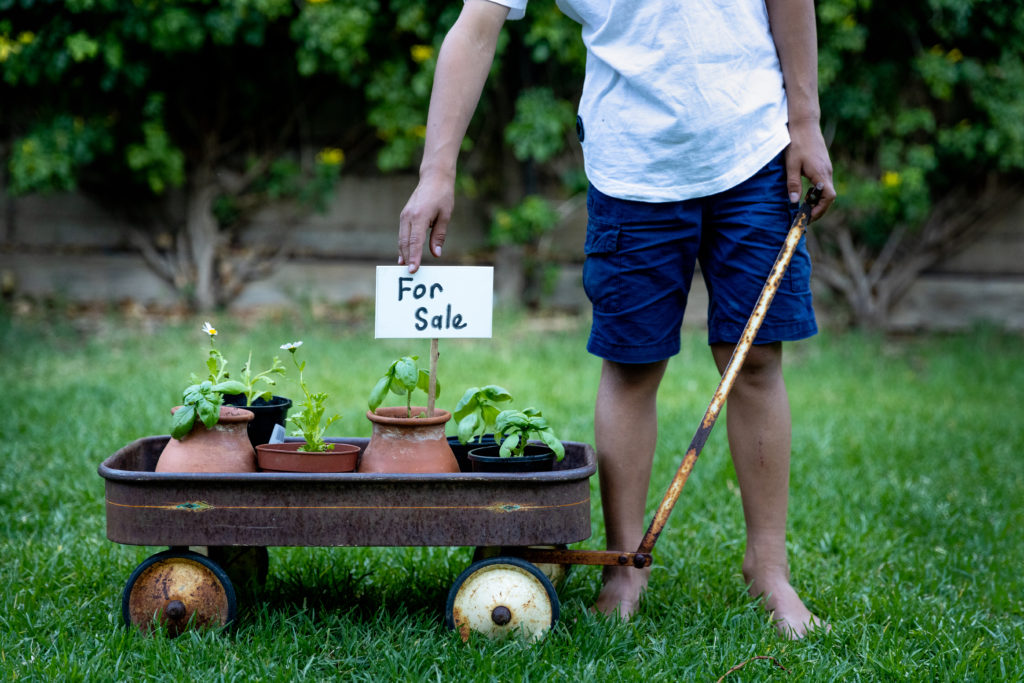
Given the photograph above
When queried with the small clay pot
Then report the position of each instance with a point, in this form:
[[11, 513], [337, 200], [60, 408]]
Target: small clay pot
[[225, 448], [408, 444], [286, 457]]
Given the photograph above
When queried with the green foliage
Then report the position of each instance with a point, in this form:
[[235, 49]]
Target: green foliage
[[513, 428], [477, 410], [202, 401], [332, 38], [309, 419], [541, 122], [524, 223], [924, 98], [51, 155], [402, 377], [252, 380]]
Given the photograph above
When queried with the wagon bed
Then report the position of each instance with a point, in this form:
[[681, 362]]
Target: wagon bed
[[144, 507]]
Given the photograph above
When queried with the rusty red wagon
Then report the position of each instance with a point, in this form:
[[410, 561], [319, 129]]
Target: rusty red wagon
[[237, 516], [520, 522]]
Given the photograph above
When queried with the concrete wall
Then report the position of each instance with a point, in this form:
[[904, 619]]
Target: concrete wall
[[68, 247]]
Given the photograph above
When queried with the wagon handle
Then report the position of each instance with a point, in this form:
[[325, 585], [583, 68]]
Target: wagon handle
[[796, 231]]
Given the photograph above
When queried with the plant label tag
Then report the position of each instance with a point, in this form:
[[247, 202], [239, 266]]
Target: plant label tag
[[434, 302]]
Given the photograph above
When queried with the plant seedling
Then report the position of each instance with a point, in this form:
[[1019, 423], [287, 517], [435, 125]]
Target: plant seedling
[[310, 418], [202, 400], [250, 380], [402, 377], [477, 410], [514, 427]]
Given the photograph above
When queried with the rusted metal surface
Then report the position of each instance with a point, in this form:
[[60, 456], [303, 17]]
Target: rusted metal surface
[[352, 509], [732, 369], [563, 556], [178, 593]]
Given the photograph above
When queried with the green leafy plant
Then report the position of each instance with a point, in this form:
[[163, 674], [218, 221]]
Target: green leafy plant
[[402, 377], [309, 421], [477, 411], [251, 379], [514, 427], [204, 397], [217, 367], [216, 363], [201, 400]]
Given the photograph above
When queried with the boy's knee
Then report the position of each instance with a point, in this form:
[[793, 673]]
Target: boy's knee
[[763, 364]]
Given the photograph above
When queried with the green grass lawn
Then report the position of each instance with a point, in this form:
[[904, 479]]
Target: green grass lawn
[[905, 516]]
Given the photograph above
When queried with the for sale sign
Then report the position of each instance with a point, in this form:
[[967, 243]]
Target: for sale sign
[[434, 302]]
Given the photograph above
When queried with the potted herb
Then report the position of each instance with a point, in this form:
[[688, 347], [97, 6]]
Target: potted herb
[[405, 438], [207, 436], [476, 412], [517, 452], [254, 391], [313, 454]]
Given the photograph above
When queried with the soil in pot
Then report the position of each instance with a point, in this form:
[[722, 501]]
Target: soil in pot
[[536, 458], [403, 444], [267, 414], [286, 457], [225, 448]]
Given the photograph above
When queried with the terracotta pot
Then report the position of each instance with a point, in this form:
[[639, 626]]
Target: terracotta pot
[[286, 457], [536, 458], [408, 444], [225, 448], [268, 414]]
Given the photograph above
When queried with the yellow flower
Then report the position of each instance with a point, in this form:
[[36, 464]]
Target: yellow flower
[[421, 53], [891, 179], [26, 37], [331, 156], [420, 131], [955, 55], [316, 2]]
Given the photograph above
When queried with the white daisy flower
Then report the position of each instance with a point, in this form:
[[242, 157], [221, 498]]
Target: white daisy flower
[[209, 329], [291, 346]]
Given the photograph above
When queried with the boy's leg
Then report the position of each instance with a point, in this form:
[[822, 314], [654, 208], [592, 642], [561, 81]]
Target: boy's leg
[[758, 424], [625, 431]]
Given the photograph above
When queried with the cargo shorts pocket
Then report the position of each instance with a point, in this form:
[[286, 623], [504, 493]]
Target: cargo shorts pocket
[[602, 269]]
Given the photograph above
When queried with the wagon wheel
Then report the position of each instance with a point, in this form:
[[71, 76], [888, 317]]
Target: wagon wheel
[[501, 596], [246, 565], [557, 573], [178, 589]]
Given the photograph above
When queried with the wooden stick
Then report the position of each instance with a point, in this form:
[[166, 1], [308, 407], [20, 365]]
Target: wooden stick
[[433, 378]]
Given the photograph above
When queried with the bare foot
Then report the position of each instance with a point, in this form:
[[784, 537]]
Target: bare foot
[[621, 593], [791, 617]]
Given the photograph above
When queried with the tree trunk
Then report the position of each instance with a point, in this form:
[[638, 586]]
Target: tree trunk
[[873, 283], [204, 238]]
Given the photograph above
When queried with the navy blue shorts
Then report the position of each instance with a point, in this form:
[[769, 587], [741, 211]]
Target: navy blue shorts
[[640, 260]]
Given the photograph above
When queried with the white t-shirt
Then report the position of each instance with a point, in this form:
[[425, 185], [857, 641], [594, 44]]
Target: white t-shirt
[[681, 99]]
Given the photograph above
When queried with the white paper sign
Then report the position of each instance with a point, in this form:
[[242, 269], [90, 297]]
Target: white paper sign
[[434, 302]]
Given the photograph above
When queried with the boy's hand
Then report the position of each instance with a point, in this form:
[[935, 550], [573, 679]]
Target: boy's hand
[[807, 156], [428, 211]]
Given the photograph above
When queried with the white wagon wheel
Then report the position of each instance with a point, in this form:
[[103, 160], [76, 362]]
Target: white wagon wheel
[[502, 596]]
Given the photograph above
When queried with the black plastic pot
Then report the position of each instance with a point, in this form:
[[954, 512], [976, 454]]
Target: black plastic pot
[[536, 458], [268, 414], [461, 450]]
